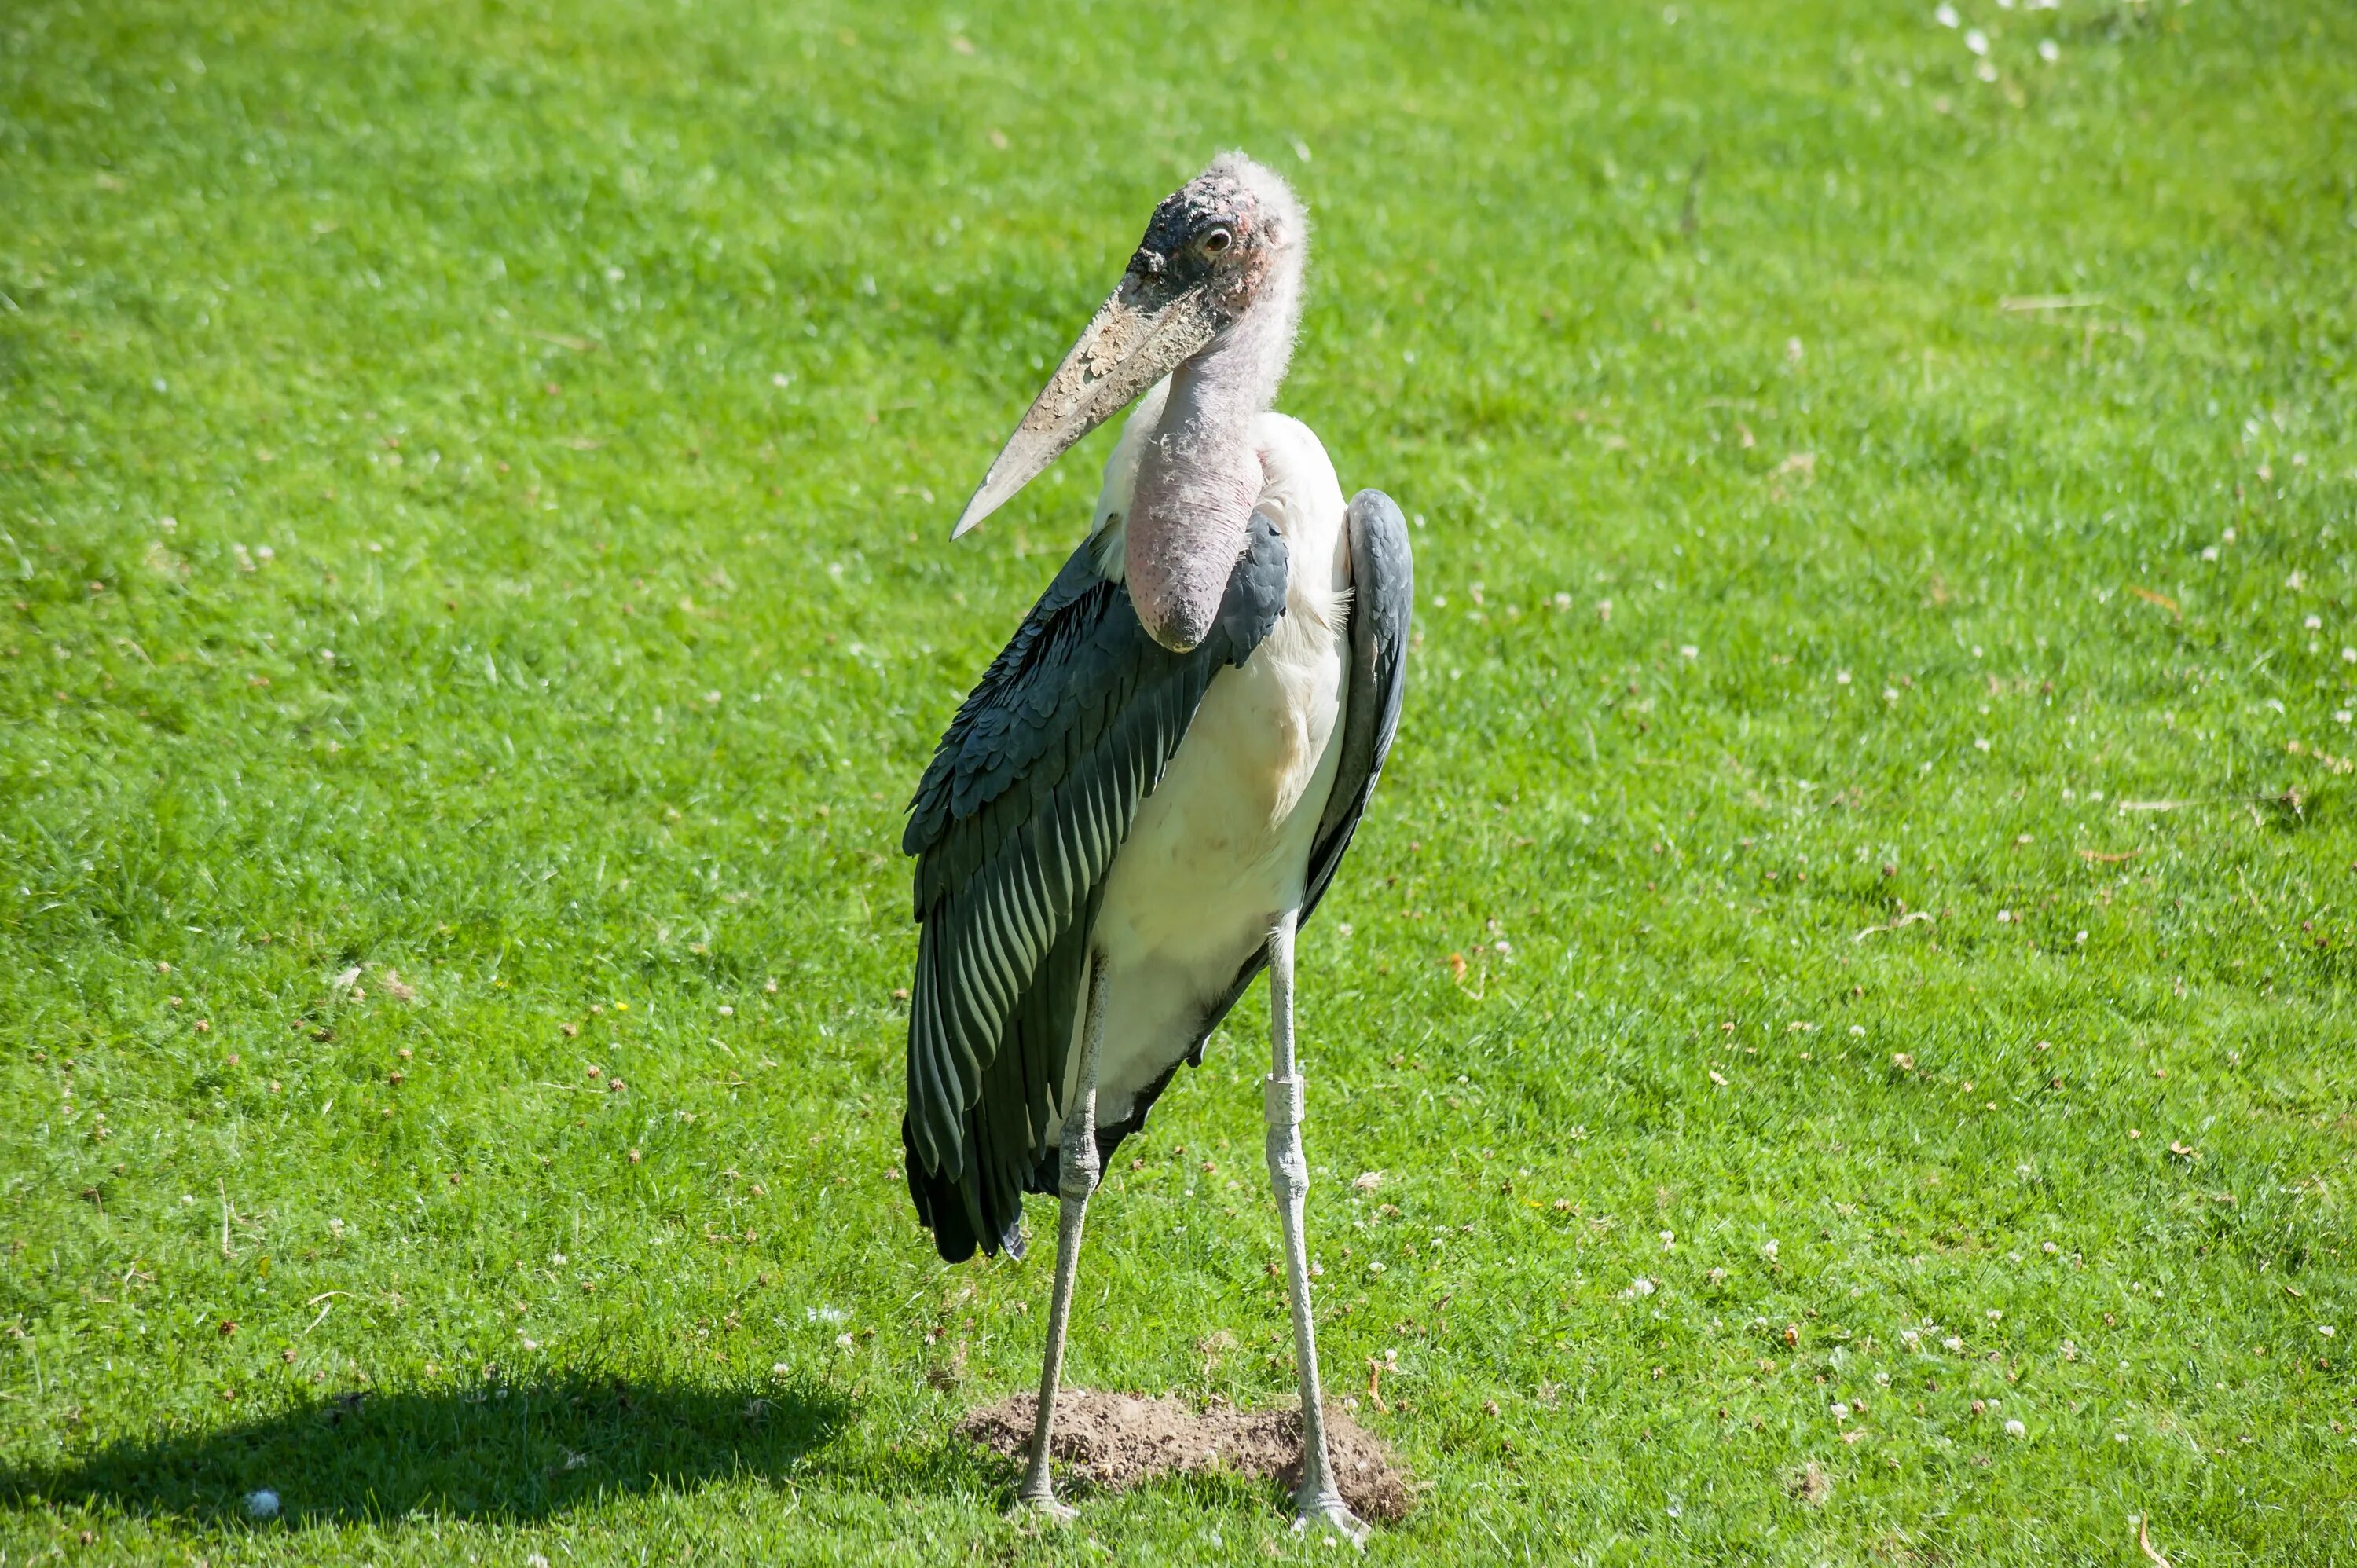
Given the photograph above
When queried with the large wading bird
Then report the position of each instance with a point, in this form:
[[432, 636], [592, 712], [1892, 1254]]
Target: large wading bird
[[1149, 791]]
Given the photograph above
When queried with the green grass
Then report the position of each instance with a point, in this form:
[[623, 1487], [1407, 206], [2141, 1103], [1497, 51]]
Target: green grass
[[473, 489]]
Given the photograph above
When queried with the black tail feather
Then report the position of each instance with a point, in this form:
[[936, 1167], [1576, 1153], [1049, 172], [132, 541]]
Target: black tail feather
[[946, 1207]]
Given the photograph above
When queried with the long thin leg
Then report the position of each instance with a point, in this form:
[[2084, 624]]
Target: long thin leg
[[1076, 1180], [1282, 1100]]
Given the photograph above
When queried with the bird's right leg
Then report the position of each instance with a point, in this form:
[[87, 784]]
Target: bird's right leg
[[1318, 1500], [1076, 1179]]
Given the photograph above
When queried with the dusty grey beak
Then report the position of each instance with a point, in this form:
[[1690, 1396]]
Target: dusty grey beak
[[1143, 333]]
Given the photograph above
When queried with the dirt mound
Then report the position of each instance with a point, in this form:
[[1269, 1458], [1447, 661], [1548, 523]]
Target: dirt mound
[[1117, 1441]]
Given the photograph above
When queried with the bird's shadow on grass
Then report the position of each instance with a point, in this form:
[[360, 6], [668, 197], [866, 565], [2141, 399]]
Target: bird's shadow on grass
[[496, 1451]]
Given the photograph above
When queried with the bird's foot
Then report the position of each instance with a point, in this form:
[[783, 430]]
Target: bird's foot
[[1042, 1505], [1330, 1512]]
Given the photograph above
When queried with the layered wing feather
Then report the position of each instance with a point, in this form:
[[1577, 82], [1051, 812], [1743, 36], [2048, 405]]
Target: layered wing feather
[[1383, 599], [1015, 824]]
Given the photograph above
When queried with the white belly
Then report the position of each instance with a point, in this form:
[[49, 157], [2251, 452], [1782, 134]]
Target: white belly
[[1221, 847], [1218, 852]]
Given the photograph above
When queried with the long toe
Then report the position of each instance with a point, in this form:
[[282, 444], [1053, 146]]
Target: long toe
[[1047, 1509], [1332, 1514]]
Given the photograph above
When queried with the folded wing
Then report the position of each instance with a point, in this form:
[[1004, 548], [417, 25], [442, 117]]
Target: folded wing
[[1015, 824]]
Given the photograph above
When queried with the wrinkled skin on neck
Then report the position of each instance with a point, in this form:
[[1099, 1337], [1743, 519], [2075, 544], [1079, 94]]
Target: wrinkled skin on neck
[[1200, 475]]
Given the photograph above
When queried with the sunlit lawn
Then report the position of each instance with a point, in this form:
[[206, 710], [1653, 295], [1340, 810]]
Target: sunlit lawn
[[1851, 951]]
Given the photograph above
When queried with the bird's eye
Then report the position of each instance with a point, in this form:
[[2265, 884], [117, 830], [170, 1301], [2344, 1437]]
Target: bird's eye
[[1216, 242]]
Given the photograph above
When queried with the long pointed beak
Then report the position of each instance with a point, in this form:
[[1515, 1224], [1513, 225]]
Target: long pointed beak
[[1133, 342]]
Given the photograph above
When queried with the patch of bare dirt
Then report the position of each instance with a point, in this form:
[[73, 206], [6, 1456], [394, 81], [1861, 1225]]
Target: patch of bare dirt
[[1116, 1441]]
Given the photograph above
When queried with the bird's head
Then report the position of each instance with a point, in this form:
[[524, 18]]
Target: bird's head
[[1213, 248]]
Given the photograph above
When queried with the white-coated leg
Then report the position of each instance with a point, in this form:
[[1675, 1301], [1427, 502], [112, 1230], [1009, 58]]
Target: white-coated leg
[[1282, 1099], [1076, 1180]]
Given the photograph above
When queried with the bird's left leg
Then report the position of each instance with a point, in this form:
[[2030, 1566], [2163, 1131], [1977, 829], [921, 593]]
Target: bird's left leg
[[1077, 1178], [1282, 1100]]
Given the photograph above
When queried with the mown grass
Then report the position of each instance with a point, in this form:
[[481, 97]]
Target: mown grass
[[1867, 861]]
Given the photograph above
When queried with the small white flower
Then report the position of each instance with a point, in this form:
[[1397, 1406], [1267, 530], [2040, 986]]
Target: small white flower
[[1986, 70], [1995, 1316], [1980, 745], [2349, 656], [2016, 1429], [1977, 41], [1952, 1345], [1858, 1031], [262, 1504], [2314, 623], [2325, 1329], [1946, 16], [2049, 50], [1689, 650], [1840, 1411], [1841, 677], [2209, 552]]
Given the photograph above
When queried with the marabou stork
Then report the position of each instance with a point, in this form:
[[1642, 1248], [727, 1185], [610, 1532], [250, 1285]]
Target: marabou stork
[[1153, 784]]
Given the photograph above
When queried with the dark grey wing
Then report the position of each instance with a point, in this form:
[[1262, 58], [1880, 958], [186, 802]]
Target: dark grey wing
[[1014, 825], [1382, 600], [1383, 596]]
